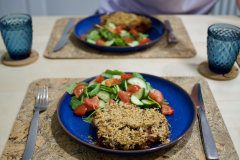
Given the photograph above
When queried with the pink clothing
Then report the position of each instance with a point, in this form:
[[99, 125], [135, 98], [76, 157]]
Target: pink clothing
[[158, 6]]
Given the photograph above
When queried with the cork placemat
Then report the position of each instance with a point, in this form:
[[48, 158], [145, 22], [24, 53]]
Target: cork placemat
[[75, 49], [54, 143]]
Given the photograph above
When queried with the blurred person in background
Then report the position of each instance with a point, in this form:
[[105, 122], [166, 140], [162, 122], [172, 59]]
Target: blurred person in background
[[159, 6]]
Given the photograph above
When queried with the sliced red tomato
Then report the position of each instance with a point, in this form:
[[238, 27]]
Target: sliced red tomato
[[110, 82], [111, 101], [156, 95], [78, 90], [93, 102], [126, 76], [83, 36], [124, 96], [101, 42], [99, 79], [134, 32], [127, 39], [81, 110], [119, 29], [167, 110], [89, 109], [144, 41], [112, 30], [133, 88]]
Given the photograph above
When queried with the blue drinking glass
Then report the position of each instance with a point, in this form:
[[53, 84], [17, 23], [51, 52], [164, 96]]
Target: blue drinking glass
[[223, 44], [16, 32]]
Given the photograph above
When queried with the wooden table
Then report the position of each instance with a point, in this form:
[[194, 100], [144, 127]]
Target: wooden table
[[14, 81]]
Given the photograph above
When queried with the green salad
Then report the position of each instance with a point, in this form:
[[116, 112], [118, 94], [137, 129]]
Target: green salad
[[115, 87], [112, 35]]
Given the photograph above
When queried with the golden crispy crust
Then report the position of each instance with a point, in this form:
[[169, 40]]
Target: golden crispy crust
[[128, 20], [127, 127]]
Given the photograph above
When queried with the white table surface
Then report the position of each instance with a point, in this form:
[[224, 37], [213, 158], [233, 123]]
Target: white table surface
[[14, 81]]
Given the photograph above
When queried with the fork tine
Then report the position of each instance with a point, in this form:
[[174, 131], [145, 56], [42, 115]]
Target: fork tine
[[43, 97], [46, 103], [37, 98]]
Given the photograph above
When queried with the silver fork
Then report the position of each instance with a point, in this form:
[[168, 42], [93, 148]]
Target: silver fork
[[40, 105]]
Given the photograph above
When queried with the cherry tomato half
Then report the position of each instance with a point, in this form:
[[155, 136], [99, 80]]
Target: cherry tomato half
[[144, 41], [156, 95], [101, 42], [83, 36], [126, 76], [134, 32], [99, 79], [81, 110], [119, 29], [111, 101], [78, 90], [110, 82], [93, 102], [167, 110], [133, 88], [124, 96], [127, 39]]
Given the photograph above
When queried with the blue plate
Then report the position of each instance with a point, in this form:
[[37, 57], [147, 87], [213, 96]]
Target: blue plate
[[84, 26], [181, 122]]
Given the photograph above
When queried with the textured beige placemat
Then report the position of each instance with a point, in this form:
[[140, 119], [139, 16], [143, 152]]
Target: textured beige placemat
[[54, 143], [75, 49]]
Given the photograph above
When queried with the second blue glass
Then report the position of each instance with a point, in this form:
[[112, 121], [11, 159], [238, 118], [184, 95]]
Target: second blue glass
[[16, 30], [223, 44]]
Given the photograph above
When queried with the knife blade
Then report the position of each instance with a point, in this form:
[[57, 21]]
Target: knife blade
[[65, 35], [207, 137], [171, 36]]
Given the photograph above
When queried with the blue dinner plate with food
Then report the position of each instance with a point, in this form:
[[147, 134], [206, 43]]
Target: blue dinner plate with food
[[126, 113], [119, 31]]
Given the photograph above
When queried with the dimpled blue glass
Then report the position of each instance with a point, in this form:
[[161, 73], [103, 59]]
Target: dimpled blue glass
[[223, 43], [16, 30]]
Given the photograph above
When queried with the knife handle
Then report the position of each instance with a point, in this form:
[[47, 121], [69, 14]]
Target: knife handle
[[208, 141]]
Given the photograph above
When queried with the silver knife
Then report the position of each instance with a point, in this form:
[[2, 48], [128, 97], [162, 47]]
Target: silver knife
[[171, 37], [65, 35], [207, 137]]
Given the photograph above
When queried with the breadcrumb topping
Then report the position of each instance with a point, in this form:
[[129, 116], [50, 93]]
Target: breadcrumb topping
[[128, 127]]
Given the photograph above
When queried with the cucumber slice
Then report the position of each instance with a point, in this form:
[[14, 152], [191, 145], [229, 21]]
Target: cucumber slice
[[91, 41], [111, 25], [109, 43], [135, 101], [139, 94], [103, 82], [133, 44], [124, 33], [117, 76], [124, 85], [117, 88], [137, 81], [102, 103], [147, 102], [104, 96], [148, 89]]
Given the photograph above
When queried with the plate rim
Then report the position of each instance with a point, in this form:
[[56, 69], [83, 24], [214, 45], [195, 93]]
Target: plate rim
[[149, 150], [119, 47]]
